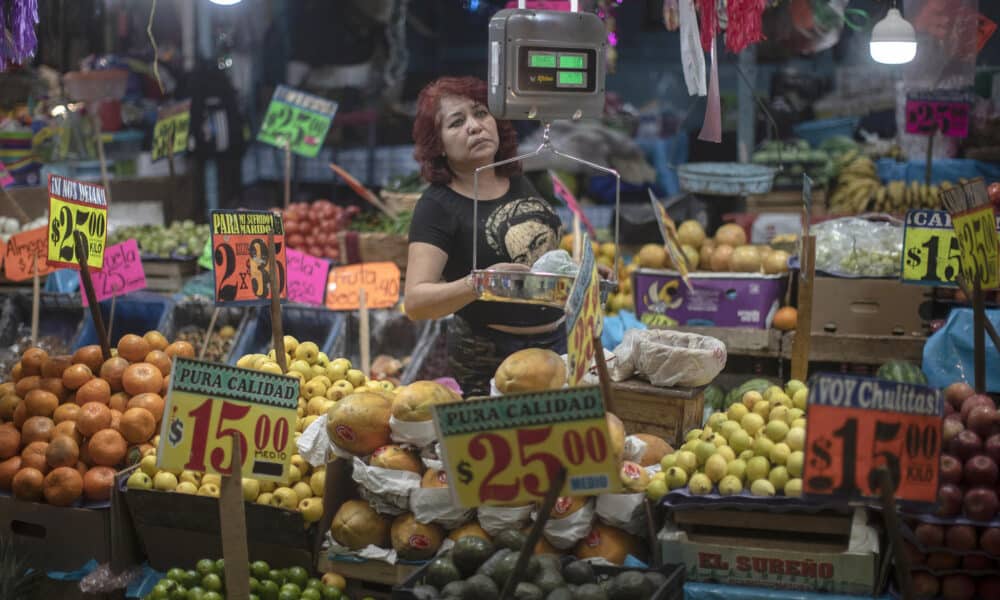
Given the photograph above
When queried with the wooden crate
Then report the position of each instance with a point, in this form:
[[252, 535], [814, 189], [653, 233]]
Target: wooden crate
[[371, 578], [665, 412], [782, 201], [168, 275]]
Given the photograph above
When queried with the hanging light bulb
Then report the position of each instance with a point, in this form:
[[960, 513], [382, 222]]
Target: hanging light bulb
[[894, 42], [225, 2]]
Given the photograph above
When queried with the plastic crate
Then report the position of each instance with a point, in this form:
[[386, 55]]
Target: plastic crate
[[672, 589], [136, 313], [59, 316], [304, 323], [196, 313], [392, 333]]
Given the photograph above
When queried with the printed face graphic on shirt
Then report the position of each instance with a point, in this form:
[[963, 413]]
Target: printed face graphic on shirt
[[524, 229]]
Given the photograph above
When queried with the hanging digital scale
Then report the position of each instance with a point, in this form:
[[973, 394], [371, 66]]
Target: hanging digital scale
[[546, 65]]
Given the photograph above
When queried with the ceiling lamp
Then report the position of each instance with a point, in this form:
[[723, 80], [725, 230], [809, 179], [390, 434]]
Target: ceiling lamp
[[894, 42], [225, 2]]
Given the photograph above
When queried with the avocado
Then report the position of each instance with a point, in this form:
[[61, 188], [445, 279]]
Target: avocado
[[579, 572], [503, 569], [441, 572], [548, 579], [657, 580], [425, 592], [550, 561], [561, 593], [528, 591], [482, 587], [590, 591], [458, 589], [630, 585], [489, 566], [470, 552], [534, 566], [511, 539]]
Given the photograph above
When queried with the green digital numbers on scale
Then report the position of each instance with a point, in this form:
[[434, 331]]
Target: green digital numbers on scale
[[542, 60], [572, 61], [571, 78]]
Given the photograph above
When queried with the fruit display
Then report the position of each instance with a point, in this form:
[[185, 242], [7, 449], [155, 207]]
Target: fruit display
[[795, 158], [207, 582], [478, 568], [902, 371], [69, 421], [219, 345], [313, 227], [755, 445], [859, 190], [9, 225], [727, 251], [180, 240]]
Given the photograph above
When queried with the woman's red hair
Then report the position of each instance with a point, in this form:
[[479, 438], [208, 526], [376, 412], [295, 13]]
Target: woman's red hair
[[427, 130]]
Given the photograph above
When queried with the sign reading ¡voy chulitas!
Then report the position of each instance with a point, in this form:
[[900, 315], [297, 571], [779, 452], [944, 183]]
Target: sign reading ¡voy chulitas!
[[122, 272], [859, 424], [241, 255], [508, 449], [76, 206], [208, 403], [584, 317]]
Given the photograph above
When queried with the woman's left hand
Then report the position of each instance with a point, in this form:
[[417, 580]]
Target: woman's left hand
[[604, 271]]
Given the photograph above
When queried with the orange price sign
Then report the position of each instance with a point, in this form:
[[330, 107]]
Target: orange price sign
[[380, 281], [25, 248], [584, 317], [858, 425], [508, 449], [241, 255]]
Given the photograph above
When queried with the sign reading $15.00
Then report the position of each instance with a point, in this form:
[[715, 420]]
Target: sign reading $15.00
[[241, 253]]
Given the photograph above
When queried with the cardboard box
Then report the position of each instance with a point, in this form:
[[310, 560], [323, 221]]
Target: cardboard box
[[717, 300], [867, 306], [56, 538], [664, 412]]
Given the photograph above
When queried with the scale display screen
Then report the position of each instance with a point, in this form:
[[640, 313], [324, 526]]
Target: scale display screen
[[556, 69]]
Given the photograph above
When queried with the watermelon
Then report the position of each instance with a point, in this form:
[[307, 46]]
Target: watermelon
[[901, 371], [758, 384], [715, 397]]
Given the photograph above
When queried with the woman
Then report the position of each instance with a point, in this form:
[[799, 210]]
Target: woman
[[455, 134]]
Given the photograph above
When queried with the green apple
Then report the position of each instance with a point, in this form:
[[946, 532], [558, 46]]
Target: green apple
[[730, 485], [778, 477], [796, 438], [338, 369], [793, 487], [307, 351], [186, 487], [139, 481], [757, 468], [794, 463], [290, 344], [700, 484], [165, 481], [676, 478], [356, 377], [762, 487], [251, 489]]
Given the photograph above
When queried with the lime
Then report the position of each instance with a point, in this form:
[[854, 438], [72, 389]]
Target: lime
[[212, 596], [314, 584], [268, 590], [331, 593], [260, 569], [287, 595], [254, 585], [277, 576], [220, 566], [254, 597], [191, 578], [298, 576], [178, 593], [291, 587], [176, 575], [160, 592], [212, 582], [311, 594], [196, 593], [205, 566]]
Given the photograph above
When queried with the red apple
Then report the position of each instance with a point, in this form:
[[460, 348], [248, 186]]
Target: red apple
[[973, 401], [960, 537], [992, 447], [943, 561], [981, 419], [988, 587], [951, 469], [965, 445], [929, 535], [958, 587], [989, 541], [952, 426], [949, 500], [957, 392], [976, 562], [980, 503], [925, 585], [980, 470], [916, 556], [994, 192]]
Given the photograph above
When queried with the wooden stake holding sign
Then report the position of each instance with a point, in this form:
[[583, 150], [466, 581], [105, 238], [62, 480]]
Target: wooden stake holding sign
[[233, 527], [807, 275], [35, 293], [534, 535], [277, 330], [88, 286], [364, 332]]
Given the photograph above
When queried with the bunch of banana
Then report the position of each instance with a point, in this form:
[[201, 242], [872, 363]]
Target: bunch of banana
[[856, 183], [899, 197]]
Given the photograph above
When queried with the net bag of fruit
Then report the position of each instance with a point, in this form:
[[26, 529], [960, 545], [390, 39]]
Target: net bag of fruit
[[669, 358]]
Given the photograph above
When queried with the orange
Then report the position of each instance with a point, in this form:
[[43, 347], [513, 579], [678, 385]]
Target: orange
[[90, 356], [107, 448], [95, 390], [33, 456], [137, 425], [160, 360], [8, 469], [182, 349], [8, 404], [31, 361], [27, 484], [37, 429], [26, 384], [63, 451], [20, 415], [10, 441], [66, 412], [152, 402], [54, 385], [133, 348], [40, 403], [16, 372], [63, 486], [55, 365], [112, 370], [68, 429], [76, 375], [93, 417], [81, 468], [141, 378], [786, 319], [7, 388], [118, 401], [116, 420], [155, 340], [97, 483]]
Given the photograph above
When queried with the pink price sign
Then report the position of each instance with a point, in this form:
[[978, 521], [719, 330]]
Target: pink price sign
[[122, 272], [306, 277], [928, 116]]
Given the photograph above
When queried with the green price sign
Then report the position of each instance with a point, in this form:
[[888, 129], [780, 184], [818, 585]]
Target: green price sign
[[170, 135], [297, 119]]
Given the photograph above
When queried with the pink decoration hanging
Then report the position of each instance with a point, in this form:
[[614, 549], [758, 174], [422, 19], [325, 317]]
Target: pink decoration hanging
[[744, 24], [709, 22]]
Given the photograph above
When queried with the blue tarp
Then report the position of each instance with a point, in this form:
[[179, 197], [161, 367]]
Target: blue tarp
[[945, 169], [948, 352], [714, 591]]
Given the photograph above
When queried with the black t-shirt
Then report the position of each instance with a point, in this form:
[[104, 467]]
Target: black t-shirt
[[518, 227]]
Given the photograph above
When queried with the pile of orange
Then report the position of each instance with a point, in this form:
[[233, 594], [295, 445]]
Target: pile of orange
[[68, 422]]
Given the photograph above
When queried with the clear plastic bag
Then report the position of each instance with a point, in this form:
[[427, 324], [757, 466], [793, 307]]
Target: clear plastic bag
[[669, 358], [856, 247]]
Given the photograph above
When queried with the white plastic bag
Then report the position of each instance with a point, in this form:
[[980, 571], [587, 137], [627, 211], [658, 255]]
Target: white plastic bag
[[564, 533], [669, 358], [434, 505], [494, 519], [387, 490]]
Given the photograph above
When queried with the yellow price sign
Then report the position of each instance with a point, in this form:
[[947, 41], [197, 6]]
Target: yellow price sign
[[508, 449], [208, 404], [584, 317], [930, 248], [76, 206], [979, 244], [170, 134]]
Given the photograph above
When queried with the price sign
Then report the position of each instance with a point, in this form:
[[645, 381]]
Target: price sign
[[23, 249], [584, 317], [670, 240], [299, 119], [858, 425], [507, 450], [122, 272], [76, 206], [207, 403], [241, 254], [307, 276], [979, 245], [6, 180], [170, 134], [562, 192], [930, 248], [379, 280], [927, 115]]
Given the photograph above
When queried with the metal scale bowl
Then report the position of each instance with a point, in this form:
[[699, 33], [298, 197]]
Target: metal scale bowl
[[543, 65]]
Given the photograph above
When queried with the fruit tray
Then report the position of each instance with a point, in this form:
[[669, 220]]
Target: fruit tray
[[529, 288], [683, 499], [300, 322], [137, 312], [725, 179], [60, 316], [672, 589]]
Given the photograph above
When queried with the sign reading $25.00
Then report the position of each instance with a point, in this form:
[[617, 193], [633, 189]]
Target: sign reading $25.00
[[76, 206]]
